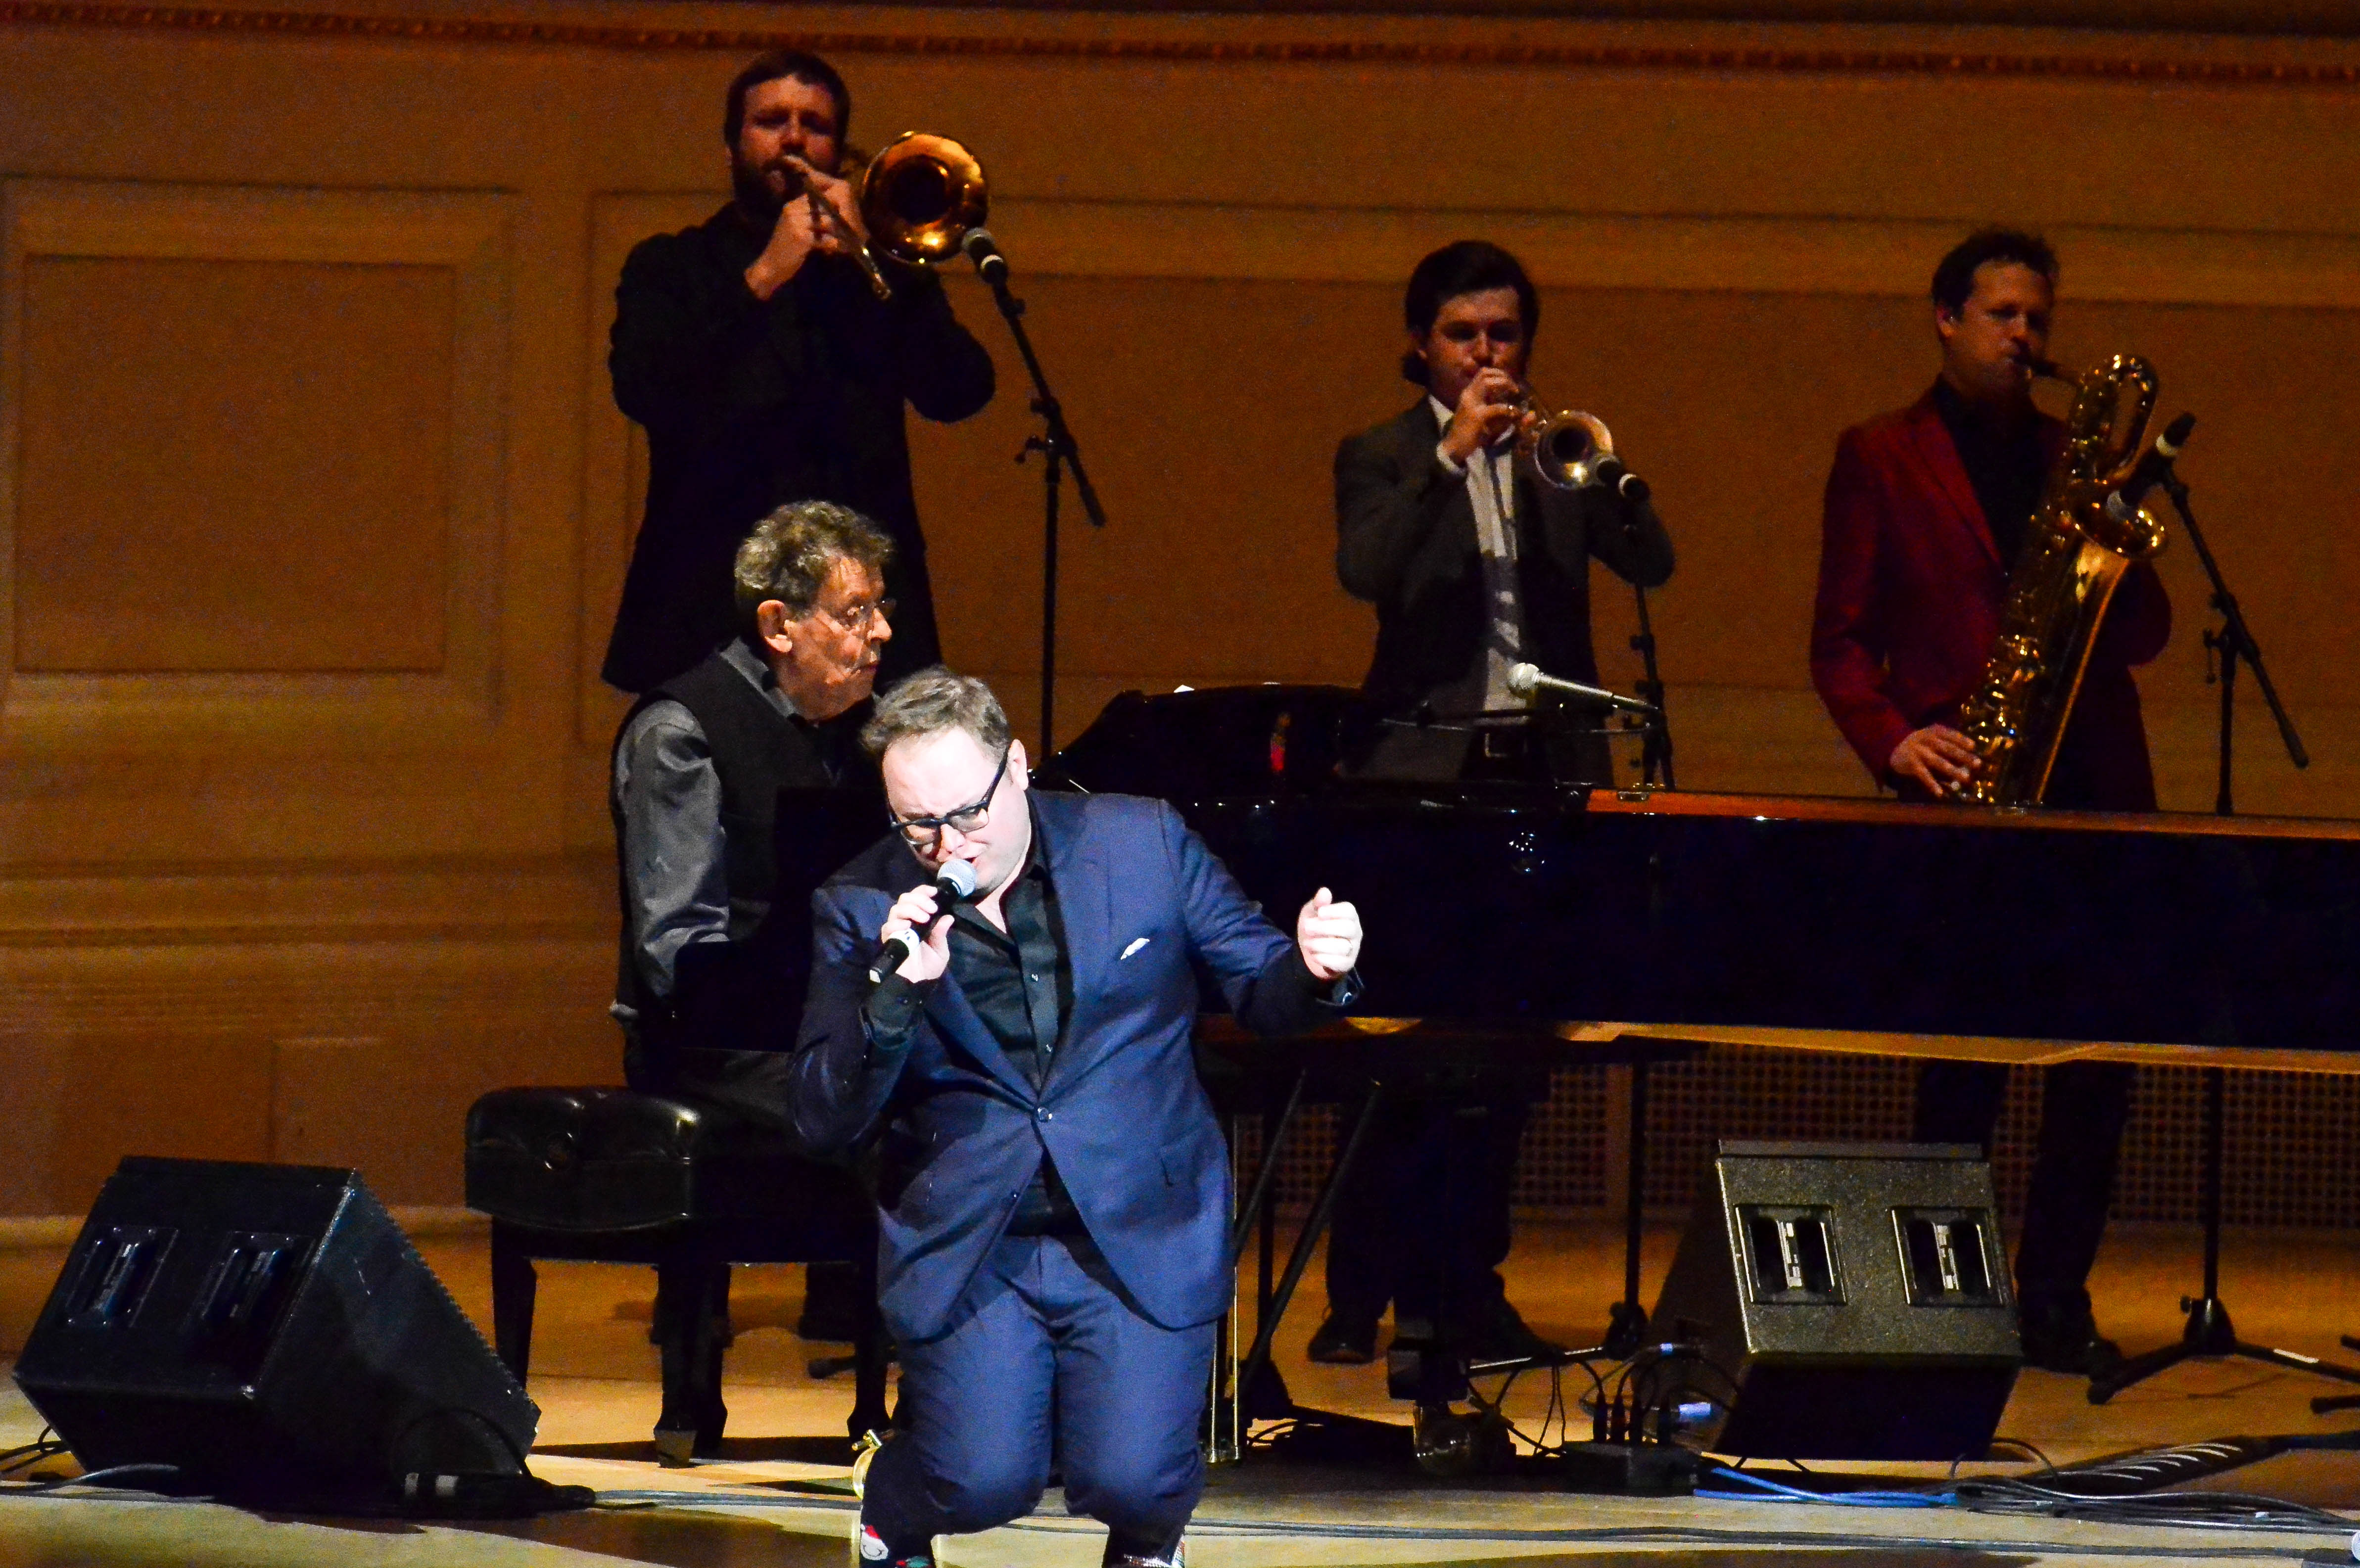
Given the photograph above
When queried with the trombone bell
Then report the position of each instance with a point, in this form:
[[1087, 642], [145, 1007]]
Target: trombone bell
[[920, 195]]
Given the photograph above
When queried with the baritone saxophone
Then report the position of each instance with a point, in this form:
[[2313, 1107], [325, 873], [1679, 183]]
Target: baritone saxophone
[[2075, 552]]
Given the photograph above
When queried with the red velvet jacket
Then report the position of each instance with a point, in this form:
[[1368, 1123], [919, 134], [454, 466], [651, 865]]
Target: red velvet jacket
[[1911, 586]]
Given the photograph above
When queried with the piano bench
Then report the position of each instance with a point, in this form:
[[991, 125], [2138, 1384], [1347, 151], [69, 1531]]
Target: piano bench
[[609, 1175]]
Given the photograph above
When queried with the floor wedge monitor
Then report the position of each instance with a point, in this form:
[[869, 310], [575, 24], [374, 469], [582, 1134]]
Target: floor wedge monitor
[[1844, 1302], [268, 1332]]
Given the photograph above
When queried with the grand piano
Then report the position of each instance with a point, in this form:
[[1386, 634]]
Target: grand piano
[[1779, 920], [1522, 920]]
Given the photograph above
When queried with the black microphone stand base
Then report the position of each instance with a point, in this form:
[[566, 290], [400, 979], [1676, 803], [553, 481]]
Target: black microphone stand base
[[2327, 1402], [2210, 1336]]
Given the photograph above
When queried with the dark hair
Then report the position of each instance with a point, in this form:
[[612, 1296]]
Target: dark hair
[[1955, 279], [772, 67], [1464, 267], [790, 553], [933, 701]]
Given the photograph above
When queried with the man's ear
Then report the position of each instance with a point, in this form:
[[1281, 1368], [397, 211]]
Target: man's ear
[[1019, 768], [771, 623]]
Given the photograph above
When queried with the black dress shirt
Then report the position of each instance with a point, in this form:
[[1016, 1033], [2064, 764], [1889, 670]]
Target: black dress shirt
[[2004, 464], [1021, 984]]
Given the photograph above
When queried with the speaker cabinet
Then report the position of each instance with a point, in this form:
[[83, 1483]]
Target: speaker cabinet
[[269, 1330], [1852, 1301]]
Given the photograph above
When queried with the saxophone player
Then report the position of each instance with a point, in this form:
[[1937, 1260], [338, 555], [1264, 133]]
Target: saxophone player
[[1925, 509]]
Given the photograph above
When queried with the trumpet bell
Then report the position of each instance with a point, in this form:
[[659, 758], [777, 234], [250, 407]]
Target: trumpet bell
[[920, 195], [1565, 448]]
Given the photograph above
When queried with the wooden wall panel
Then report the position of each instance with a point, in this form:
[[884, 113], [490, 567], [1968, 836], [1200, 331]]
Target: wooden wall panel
[[277, 490], [331, 843]]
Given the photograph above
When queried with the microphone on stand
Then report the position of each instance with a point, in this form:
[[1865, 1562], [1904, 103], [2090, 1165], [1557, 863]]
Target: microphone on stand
[[980, 249], [2154, 469], [1524, 680], [954, 883], [1619, 479]]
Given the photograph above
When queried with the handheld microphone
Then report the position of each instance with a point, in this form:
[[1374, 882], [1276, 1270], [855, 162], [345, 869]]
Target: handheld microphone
[[1524, 680], [953, 882], [980, 249], [2155, 468]]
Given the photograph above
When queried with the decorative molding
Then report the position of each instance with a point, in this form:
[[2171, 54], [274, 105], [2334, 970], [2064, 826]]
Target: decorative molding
[[419, 1222], [467, 232], [2092, 66], [1882, 257], [505, 900]]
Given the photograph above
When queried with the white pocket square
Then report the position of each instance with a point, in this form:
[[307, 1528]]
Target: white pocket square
[[1136, 943]]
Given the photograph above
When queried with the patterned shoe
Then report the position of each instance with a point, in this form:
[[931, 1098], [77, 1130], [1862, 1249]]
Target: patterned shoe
[[872, 1552], [1179, 1559]]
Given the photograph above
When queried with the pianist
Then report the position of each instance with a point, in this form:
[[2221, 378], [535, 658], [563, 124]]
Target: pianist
[[1054, 1189], [1925, 511]]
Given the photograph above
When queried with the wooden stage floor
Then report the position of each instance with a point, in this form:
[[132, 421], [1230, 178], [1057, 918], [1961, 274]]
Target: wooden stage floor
[[594, 1378]]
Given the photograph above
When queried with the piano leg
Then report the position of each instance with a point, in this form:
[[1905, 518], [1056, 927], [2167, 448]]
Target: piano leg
[[1266, 1327]]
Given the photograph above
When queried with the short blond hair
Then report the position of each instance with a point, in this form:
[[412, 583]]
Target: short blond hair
[[932, 702]]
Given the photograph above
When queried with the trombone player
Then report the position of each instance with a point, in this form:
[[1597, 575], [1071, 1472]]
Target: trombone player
[[765, 369], [1474, 565]]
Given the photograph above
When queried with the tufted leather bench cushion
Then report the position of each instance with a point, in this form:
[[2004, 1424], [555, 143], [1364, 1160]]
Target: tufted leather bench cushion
[[615, 1160]]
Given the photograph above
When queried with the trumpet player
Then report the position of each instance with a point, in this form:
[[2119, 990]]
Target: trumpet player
[[1473, 564], [766, 370], [1925, 510]]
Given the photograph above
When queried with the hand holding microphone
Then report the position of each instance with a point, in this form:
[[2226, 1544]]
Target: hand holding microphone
[[916, 958]]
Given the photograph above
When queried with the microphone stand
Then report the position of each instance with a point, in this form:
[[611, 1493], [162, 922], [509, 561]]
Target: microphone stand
[[1655, 737], [2209, 1332], [1058, 450]]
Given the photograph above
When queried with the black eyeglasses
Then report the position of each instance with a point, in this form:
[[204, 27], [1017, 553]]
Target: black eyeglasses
[[925, 832]]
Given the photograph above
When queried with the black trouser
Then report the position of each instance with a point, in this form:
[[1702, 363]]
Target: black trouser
[[2083, 1108], [1421, 1221]]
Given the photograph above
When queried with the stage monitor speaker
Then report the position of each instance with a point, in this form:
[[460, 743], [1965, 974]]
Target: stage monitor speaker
[[1852, 1301], [270, 1331]]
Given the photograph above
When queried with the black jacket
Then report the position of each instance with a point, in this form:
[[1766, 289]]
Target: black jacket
[[749, 404], [1405, 542]]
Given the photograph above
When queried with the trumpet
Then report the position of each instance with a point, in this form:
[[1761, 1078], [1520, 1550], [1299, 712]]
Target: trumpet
[[1570, 450], [918, 196]]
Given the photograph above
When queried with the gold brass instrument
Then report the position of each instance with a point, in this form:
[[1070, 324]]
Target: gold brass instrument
[[1563, 448], [2075, 552], [919, 196]]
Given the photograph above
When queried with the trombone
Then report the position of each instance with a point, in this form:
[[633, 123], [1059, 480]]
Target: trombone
[[919, 196]]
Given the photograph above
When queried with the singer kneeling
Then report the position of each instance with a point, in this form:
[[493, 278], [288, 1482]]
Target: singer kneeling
[[1053, 1190]]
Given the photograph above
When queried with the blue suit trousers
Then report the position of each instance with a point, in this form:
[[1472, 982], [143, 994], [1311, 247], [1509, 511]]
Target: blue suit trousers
[[1048, 1363]]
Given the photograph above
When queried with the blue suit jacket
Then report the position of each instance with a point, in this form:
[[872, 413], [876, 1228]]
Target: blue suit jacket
[[1123, 1113]]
